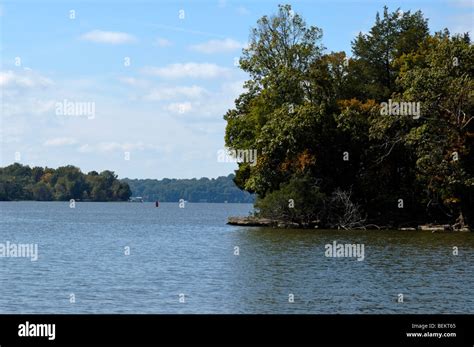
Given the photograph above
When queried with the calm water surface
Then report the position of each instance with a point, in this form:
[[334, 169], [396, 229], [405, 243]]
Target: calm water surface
[[191, 251]]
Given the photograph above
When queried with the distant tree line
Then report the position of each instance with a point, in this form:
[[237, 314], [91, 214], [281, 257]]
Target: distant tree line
[[20, 182], [383, 137], [219, 189]]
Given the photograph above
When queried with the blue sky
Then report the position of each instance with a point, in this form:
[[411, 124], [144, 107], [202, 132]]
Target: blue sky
[[160, 84]]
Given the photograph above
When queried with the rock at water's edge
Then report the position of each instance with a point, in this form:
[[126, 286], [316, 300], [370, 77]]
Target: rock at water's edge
[[261, 222]]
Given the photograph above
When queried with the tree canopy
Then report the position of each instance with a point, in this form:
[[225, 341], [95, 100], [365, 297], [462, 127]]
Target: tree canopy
[[316, 120], [220, 189], [20, 182]]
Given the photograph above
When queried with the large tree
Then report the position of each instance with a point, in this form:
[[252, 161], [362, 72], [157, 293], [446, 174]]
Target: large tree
[[316, 122], [439, 76], [393, 35]]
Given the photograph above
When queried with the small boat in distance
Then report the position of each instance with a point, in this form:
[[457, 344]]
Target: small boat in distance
[[135, 199]]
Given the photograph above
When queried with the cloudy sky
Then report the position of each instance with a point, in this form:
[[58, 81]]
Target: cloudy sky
[[154, 78]]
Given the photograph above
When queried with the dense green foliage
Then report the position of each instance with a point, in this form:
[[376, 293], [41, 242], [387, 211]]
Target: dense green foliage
[[20, 182], [219, 189], [323, 141]]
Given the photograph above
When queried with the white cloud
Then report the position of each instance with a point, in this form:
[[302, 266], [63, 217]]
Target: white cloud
[[60, 141], [111, 147], [210, 107], [111, 37], [218, 46], [190, 70], [167, 93], [41, 106], [149, 92], [85, 149], [107, 147], [233, 89], [162, 42], [134, 82], [117, 128], [26, 79], [180, 108], [25, 92]]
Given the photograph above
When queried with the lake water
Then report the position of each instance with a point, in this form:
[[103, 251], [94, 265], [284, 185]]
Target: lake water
[[190, 251]]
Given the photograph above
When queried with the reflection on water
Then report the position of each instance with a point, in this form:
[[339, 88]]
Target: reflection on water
[[190, 251]]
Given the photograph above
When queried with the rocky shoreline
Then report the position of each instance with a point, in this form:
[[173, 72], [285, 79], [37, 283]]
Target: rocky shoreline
[[252, 221]]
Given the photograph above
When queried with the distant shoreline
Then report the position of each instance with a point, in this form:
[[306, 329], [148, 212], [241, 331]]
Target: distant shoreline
[[24, 183], [132, 202]]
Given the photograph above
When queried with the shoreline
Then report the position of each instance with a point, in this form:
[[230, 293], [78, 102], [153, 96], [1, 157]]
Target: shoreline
[[134, 202], [252, 221]]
